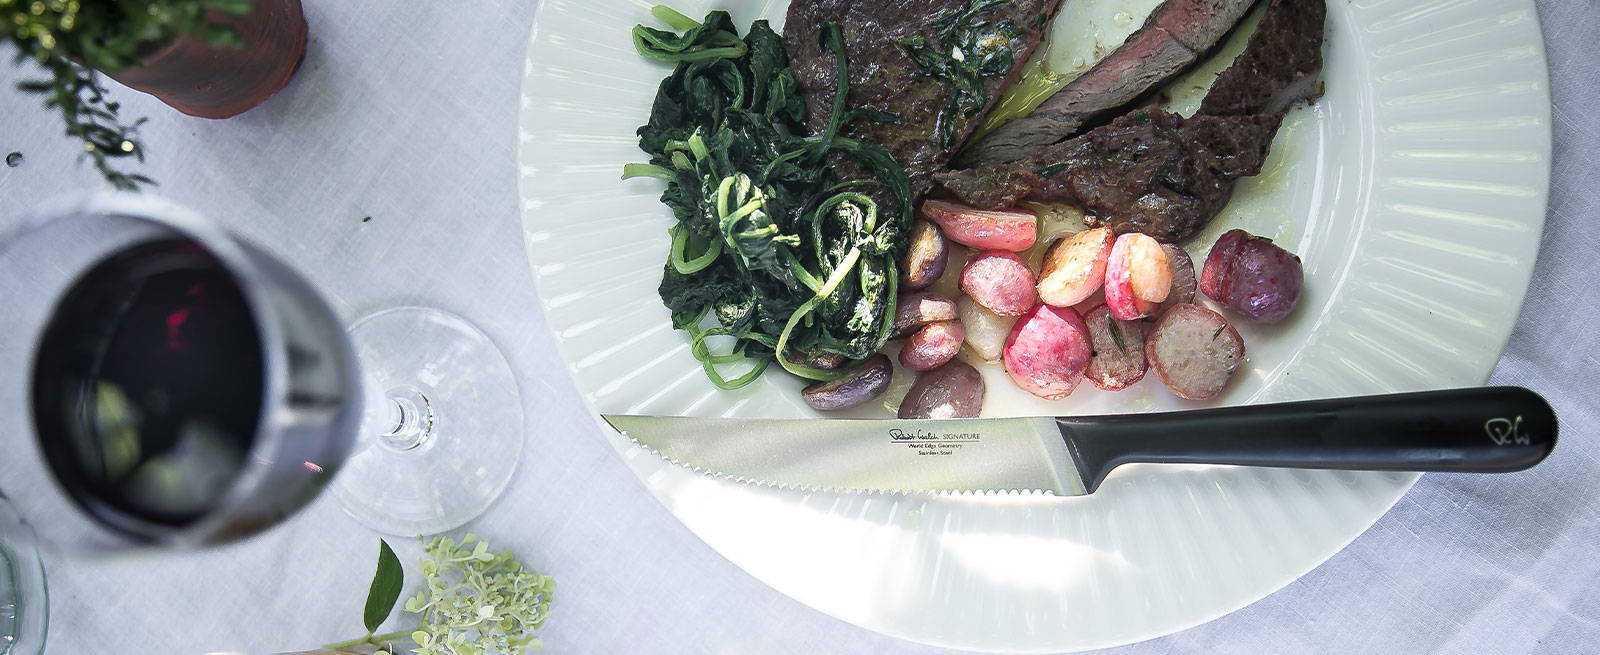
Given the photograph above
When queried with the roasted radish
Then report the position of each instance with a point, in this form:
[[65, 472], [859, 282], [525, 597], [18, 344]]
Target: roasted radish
[[932, 346], [861, 384], [1074, 268], [1184, 280], [1253, 276], [986, 331], [1137, 276], [954, 390], [1000, 281], [1048, 351], [915, 310], [1118, 359], [1194, 351], [1012, 230], [925, 257]]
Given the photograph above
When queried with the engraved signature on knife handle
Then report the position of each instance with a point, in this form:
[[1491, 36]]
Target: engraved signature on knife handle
[[1504, 431]]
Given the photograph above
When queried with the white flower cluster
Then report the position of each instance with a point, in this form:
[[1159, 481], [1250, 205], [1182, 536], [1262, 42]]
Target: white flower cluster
[[477, 602]]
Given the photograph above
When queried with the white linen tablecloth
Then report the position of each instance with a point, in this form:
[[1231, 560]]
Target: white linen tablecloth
[[406, 112]]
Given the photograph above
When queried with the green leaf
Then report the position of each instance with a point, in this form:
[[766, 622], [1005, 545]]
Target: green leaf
[[1116, 334], [386, 584], [715, 39]]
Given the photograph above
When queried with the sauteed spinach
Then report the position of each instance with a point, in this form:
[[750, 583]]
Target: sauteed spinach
[[770, 248]]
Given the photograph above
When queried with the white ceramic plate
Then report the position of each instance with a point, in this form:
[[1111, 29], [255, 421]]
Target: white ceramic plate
[[1414, 191]]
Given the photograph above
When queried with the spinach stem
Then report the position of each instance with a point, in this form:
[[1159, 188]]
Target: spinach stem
[[680, 243], [845, 266], [673, 19]]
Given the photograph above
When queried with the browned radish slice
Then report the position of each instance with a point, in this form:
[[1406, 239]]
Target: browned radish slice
[[1011, 230], [1074, 268], [1048, 351], [1184, 281], [1253, 276], [1194, 351], [1137, 276], [915, 310], [1000, 281], [954, 390], [932, 346], [925, 257], [1118, 359]]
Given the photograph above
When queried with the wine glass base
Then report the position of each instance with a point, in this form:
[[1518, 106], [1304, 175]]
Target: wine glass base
[[24, 601], [473, 415]]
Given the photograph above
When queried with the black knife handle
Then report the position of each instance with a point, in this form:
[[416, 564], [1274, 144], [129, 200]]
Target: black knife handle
[[1482, 430]]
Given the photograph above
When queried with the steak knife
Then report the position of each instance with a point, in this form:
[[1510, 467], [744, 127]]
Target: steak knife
[[1478, 430]]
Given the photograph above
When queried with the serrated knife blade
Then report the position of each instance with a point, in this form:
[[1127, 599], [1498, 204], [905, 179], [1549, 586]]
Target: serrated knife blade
[[1485, 430], [889, 455]]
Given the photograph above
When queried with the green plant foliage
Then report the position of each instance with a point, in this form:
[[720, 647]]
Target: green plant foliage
[[72, 39]]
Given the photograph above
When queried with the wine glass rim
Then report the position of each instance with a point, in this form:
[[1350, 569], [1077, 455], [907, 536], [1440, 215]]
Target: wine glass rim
[[233, 254]]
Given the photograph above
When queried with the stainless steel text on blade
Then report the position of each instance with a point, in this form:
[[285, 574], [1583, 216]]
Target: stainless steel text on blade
[[884, 455]]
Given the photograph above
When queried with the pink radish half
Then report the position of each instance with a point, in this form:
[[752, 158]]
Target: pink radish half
[[1074, 268], [1048, 351], [1138, 277], [1000, 281], [981, 229]]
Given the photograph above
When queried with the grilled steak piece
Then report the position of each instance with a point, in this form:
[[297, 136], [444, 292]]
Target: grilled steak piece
[[1176, 35], [1161, 174], [884, 76], [1280, 64], [1148, 171]]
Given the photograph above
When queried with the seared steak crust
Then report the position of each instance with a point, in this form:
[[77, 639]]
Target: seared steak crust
[[884, 77], [1176, 35], [1161, 174], [1149, 171], [1280, 64]]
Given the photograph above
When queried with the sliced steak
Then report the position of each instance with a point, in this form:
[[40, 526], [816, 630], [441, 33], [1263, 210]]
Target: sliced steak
[[1158, 173], [884, 76], [1172, 39], [1148, 171], [1280, 64]]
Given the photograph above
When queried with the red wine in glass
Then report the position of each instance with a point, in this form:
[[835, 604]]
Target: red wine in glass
[[189, 388], [147, 386]]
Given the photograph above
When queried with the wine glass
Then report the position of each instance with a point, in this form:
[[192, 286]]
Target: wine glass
[[24, 604], [188, 388]]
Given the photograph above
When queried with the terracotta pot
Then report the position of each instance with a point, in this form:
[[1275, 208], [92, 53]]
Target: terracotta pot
[[203, 80]]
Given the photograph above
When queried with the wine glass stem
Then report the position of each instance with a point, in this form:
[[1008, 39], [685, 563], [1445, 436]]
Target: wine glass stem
[[410, 419]]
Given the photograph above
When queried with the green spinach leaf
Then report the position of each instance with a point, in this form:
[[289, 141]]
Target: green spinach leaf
[[770, 249]]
